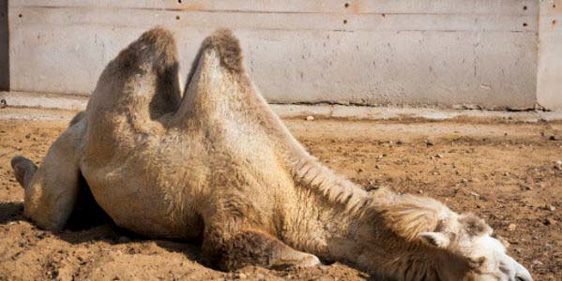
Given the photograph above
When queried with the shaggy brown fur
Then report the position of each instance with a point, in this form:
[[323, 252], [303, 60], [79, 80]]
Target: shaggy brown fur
[[228, 48], [217, 163], [408, 216]]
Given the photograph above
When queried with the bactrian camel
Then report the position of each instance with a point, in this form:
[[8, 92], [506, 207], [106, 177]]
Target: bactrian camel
[[217, 164]]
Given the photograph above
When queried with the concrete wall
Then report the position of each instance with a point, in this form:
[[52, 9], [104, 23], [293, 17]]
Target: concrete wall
[[550, 55], [416, 52]]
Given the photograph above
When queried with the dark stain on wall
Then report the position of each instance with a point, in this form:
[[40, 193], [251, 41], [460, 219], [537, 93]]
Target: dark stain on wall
[[4, 47]]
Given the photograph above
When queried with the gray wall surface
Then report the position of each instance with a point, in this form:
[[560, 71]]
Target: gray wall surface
[[414, 52], [550, 55]]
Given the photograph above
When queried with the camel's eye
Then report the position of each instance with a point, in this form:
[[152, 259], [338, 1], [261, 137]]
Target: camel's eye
[[476, 262]]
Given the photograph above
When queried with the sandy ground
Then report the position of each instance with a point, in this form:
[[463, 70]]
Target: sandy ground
[[502, 170]]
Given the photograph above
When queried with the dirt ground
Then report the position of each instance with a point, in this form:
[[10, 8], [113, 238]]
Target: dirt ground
[[502, 170]]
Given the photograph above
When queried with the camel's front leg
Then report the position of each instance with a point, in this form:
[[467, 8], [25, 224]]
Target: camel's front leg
[[250, 247], [51, 190]]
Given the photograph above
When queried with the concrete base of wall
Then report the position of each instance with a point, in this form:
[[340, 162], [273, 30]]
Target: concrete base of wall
[[40, 106]]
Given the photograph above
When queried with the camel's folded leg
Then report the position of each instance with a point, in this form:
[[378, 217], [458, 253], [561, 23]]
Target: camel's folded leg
[[250, 247], [51, 189]]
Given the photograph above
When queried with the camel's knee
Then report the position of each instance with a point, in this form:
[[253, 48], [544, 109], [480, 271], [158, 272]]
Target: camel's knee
[[255, 248], [52, 188], [24, 169]]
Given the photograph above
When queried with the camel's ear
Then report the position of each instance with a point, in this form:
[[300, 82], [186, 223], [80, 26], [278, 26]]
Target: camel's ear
[[435, 239], [474, 225]]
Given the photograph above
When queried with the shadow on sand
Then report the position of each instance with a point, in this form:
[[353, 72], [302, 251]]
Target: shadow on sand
[[11, 212], [88, 225]]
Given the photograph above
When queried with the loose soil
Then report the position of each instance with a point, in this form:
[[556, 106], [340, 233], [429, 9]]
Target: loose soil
[[502, 170]]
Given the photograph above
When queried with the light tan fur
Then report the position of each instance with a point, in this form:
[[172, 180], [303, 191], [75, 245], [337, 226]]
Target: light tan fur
[[217, 163]]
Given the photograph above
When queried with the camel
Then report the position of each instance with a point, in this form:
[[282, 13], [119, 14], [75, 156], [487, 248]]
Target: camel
[[215, 164]]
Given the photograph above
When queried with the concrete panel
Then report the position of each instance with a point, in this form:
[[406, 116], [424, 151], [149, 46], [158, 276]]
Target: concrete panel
[[549, 79], [4, 47], [367, 52], [486, 7]]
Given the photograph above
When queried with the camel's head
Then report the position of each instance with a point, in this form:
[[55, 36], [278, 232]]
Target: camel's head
[[483, 257]]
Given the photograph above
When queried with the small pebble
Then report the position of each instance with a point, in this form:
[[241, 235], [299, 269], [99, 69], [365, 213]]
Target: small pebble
[[537, 262], [438, 155], [549, 221], [310, 118], [550, 208], [474, 194], [511, 227]]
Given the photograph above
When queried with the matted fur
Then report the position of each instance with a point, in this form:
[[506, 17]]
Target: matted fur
[[157, 45], [409, 215], [228, 47]]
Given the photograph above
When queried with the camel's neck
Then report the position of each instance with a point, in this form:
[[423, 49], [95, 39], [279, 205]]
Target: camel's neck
[[327, 210], [350, 230]]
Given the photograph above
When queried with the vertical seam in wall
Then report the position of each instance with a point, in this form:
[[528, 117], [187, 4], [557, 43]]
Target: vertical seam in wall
[[538, 59]]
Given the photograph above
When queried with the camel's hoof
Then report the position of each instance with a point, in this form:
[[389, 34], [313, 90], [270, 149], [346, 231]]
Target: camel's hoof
[[21, 166], [310, 261], [307, 260]]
